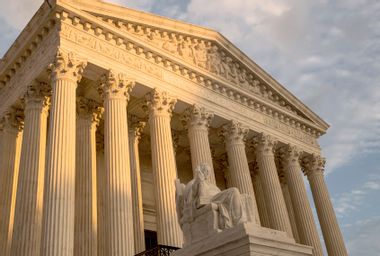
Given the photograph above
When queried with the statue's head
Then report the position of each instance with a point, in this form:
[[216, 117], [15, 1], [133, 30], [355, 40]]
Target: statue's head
[[202, 171]]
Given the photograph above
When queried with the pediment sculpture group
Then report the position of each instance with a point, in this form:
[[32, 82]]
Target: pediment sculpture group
[[201, 53]]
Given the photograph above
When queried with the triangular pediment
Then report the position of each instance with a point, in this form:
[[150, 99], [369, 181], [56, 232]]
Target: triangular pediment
[[197, 50]]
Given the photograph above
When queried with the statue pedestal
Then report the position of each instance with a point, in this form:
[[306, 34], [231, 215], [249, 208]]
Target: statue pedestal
[[245, 239]]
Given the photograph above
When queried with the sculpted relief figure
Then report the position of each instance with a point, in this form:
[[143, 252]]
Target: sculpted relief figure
[[201, 54], [186, 51], [170, 43], [203, 209], [214, 60]]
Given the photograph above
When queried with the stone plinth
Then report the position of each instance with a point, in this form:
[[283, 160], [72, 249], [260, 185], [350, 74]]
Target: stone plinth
[[246, 239]]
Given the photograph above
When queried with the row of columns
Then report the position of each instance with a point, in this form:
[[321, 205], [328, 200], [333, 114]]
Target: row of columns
[[71, 124], [283, 205], [49, 218]]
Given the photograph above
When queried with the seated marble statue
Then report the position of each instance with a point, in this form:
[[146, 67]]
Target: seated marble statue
[[230, 206]]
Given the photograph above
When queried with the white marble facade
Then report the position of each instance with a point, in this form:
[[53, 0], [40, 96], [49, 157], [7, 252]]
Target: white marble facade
[[102, 108]]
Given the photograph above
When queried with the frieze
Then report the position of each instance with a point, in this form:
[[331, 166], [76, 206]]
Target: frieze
[[297, 134], [107, 49]]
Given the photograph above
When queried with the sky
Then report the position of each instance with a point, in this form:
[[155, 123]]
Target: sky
[[327, 53]]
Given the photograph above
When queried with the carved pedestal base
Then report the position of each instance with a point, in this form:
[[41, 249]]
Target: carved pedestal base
[[205, 225], [245, 239]]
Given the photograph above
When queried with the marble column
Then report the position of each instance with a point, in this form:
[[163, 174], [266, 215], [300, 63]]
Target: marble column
[[115, 89], [160, 106], [260, 200], [239, 175], [197, 121], [59, 198], [276, 208], [12, 125], [306, 226], [135, 130], [29, 203], [100, 193], [314, 167], [85, 225], [289, 205]]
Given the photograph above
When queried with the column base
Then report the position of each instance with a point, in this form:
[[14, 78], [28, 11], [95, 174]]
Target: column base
[[246, 239]]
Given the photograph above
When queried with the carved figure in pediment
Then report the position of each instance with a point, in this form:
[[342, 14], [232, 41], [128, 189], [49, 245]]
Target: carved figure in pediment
[[224, 65], [214, 60], [231, 70], [186, 51], [155, 37], [170, 43], [200, 53], [255, 86], [242, 76], [139, 31]]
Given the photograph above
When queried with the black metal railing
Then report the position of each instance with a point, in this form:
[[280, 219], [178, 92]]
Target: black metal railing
[[159, 250]]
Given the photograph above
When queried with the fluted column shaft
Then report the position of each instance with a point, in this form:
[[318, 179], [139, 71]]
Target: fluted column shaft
[[332, 235], [197, 120], [260, 200], [101, 189], [59, 198], [276, 207], [29, 203], [160, 106], [306, 226], [115, 89], [9, 169], [85, 230], [239, 174], [138, 216], [290, 208]]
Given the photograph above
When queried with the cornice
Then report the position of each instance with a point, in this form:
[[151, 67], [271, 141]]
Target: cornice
[[25, 45], [25, 42]]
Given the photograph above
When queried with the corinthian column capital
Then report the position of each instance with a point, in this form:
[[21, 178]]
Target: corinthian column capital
[[313, 165], [115, 85], [196, 117], [67, 66], [234, 133], [89, 109], [38, 94], [289, 155], [265, 143], [13, 120], [160, 102], [292, 153], [136, 126]]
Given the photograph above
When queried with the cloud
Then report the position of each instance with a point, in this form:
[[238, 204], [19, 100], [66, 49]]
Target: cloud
[[140, 5], [353, 200], [17, 14], [363, 238]]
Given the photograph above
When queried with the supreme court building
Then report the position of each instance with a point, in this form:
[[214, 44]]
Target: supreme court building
[[103, 107]]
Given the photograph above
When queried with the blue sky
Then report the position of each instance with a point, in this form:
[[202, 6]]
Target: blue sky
[[327, 53]]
